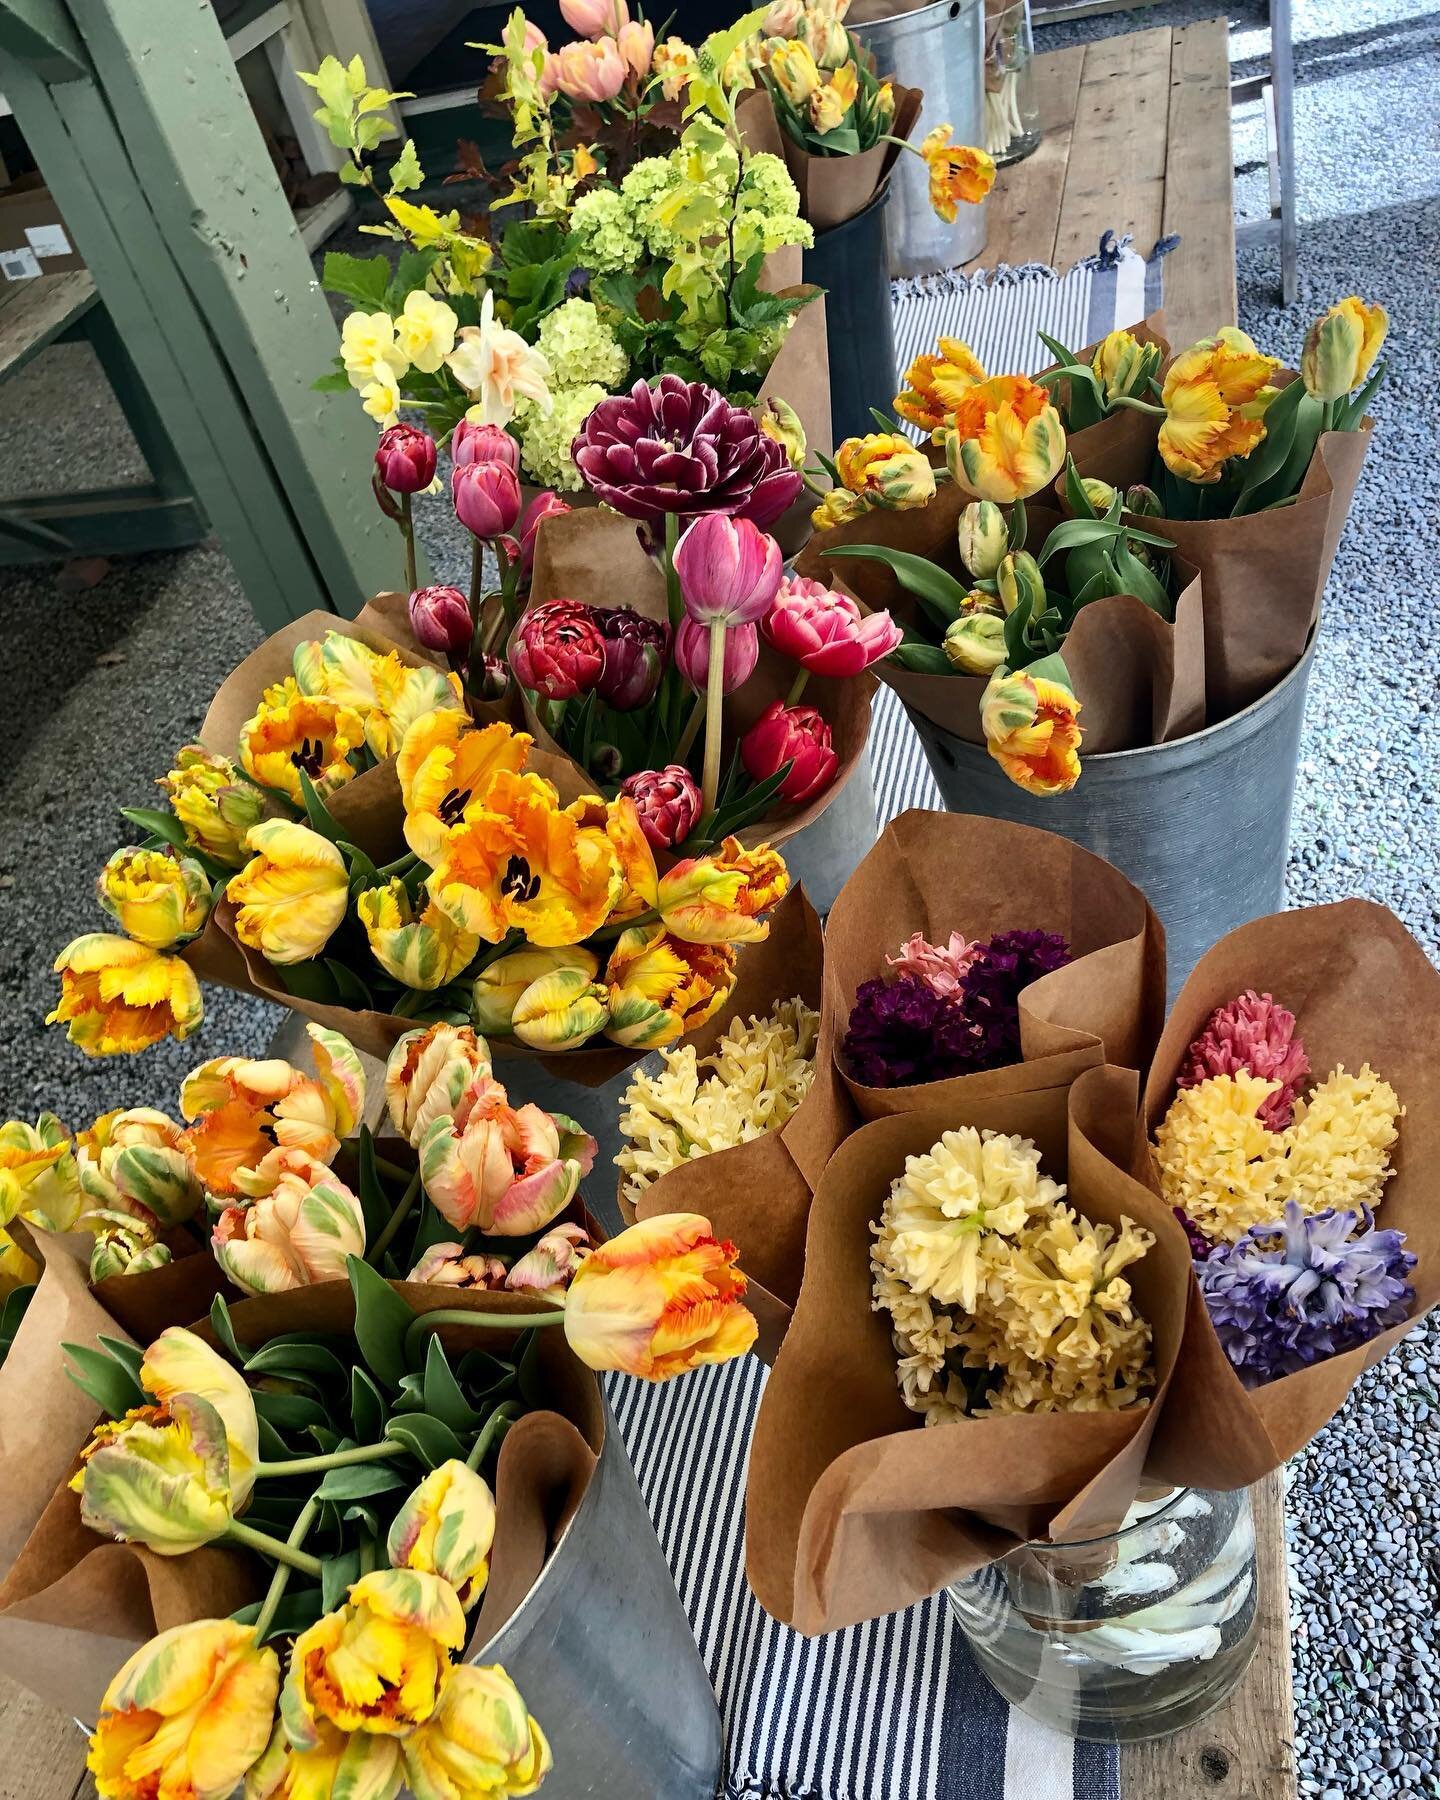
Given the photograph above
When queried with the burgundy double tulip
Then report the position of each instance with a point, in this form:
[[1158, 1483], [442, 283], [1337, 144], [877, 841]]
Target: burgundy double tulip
[[636, 649], [558, 650], [729, 570], [486, 497], [797, 735], [826, 632], [483, 444], [692, 654], [405, 459], [668, 803], [440, 619]]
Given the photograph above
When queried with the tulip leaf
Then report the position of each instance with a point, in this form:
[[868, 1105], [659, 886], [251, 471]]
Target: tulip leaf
[[273, 1447], [159, 824], [922, 659], [739, 812], [362, 867], [367, 1406], [11, 1313], [1141, 581], [1096, 588], [483, 1376], [338, 1573], [288, 1412], [1350, 412], [938, 591], [381, 1320], [1066, 358], [297, 1358], [1076, 497], [430, 1440], [530, 1376], [308, 981], [374, 1202], [129, 1356], [295, 1613], [348, 985], [1071, 533], [224, 1329], [443, 1398], [1270, 454], [328, 1441], [431, 1227], [319, 814], [108, 1383], [358, 1481]]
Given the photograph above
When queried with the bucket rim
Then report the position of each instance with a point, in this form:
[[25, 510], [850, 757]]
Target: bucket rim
[[1271, 698], [917, 15]]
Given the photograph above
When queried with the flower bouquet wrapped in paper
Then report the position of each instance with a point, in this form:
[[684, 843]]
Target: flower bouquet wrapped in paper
[[986, 1329]]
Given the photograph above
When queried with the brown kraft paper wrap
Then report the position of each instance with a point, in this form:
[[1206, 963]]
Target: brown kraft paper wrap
[[833, 189], [76, 1605], [595, 556], [758, 1194], [1139, 679], [1361, 990], [1264, 574], [854, 1507], [941, 872]]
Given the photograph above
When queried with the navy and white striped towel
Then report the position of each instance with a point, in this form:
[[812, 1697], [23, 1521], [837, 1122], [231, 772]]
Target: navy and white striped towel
[[895, 1709]]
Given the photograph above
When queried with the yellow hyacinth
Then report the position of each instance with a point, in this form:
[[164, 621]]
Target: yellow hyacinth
[[1032, 730], [155, 897], [294, 733], [117, 996], [1341, 346], [445, 769], [1005, 440], [935, 384], [291, 897], [214, 805], [1215, 396], [423, 949], [957, 172]]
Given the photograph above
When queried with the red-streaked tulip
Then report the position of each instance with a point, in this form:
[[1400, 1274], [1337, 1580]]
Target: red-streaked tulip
[[692, 654], [721, 898], [1032, 731], [440, 619], [663, 1297], [662, 987], [435, 1073], [667, 801], [505, 1172], [798, 735], [558, 649], [486, 497], [299, 1234], [729, 570], [470, 443], [405, 459], [825, 631]]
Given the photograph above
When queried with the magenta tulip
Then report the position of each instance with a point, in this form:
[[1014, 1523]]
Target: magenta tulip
[[440, 619], [826, 632], [487, 498], [558, 650], [483, 444], [797, 735], [668, 803], [544, 506], [729, 570], [405, 459], [692, 654]]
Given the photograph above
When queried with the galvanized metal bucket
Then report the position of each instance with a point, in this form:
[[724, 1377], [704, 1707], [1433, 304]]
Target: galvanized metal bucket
[[1201, 826], [824, 855], [939, 49], [604, 1656]]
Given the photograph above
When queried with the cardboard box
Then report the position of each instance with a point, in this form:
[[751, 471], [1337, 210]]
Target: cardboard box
[[33, 237]]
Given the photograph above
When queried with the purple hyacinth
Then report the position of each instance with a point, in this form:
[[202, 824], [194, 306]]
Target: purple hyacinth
[[990, 991], [1289, 1295], [1201, 1247], [901, 1032]]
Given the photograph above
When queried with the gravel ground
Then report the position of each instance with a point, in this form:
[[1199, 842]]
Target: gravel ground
[[106, 682]]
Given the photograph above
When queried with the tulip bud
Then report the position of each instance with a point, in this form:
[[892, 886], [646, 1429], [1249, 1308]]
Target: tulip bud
[[1100, 494], [1019, 578], [692, 654], [480, 1740], [560, 1011], [122, 1247], [447, 1265], [544, 506], [440, 619], [636, 649], [1144, 502], [668, 803], [975, 643], [446, 1528], [1124, 366], [498, 988], [486, 498], [595, 18], [780, 421], [606, 762], [547, 1268], [558, 649], [636, 39], [214, 806], [783, 19], [1340, 348], [470, 443], [405, 459], [984, 538], [493, 680], [798, 735], [158, 897]]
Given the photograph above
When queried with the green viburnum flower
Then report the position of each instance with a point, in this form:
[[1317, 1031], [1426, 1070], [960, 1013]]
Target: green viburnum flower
[[607, 242], [545, 438], [581, 348]]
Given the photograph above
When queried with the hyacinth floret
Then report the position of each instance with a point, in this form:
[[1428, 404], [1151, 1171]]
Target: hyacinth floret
[[1254, 1033]]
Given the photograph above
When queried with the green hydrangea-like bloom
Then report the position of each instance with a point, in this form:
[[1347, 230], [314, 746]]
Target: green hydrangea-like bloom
[[581, 348], [608, 241], [545, 438]]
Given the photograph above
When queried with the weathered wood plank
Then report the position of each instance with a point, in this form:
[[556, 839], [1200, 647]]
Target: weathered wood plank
[[1024, 208], [1246, 1749], [1115, 179], [35, 313], [44, 1751], [1200, 185]]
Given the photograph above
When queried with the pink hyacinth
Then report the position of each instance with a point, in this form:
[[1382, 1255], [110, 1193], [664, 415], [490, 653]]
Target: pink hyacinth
[[826, 632], [1256, 1034], [940, 966]]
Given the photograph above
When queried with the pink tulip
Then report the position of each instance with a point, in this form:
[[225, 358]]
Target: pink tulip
[[593, 18], [440, 619], [797, 735], [486, 497], [535, 38], [483, 444], [667, 803], [544, 506], [729, 570], [637, 46], [692, 654], [589, 71], [825, 631], [405, 459]]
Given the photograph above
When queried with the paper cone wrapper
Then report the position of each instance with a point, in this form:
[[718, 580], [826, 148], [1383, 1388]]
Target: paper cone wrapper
[[758, 1194], [1263, 575], [595, 556], [1362, 990], [855, 1508], [75, 1605], [832, 189], [941, 872]]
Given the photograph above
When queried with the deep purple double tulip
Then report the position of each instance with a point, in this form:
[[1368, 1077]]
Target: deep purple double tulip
[[636, 652]]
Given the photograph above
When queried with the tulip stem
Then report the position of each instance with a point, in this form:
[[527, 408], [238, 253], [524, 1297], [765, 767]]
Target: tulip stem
[[280, 1580], [674, 597], [317, 1465], [499, 1421], [714, 699], [516, 1321], [394, 1222], [239, 1533], [692, 727], [477, 575], [407, 532], [797, 686], [609, 932], [1138, 405]]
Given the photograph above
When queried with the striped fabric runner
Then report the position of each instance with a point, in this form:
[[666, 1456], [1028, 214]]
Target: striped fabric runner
[[895, 1709]]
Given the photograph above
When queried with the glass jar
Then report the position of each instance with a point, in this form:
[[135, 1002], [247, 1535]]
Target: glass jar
[[1012, 111], [1124, 1637]]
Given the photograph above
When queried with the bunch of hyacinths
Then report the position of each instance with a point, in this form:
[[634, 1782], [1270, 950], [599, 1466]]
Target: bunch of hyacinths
[[1001, 1298], [1277, 1188], [947, 1011]]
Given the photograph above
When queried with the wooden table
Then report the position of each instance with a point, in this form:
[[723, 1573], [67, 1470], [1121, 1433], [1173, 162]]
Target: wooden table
[[1137, 139]]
